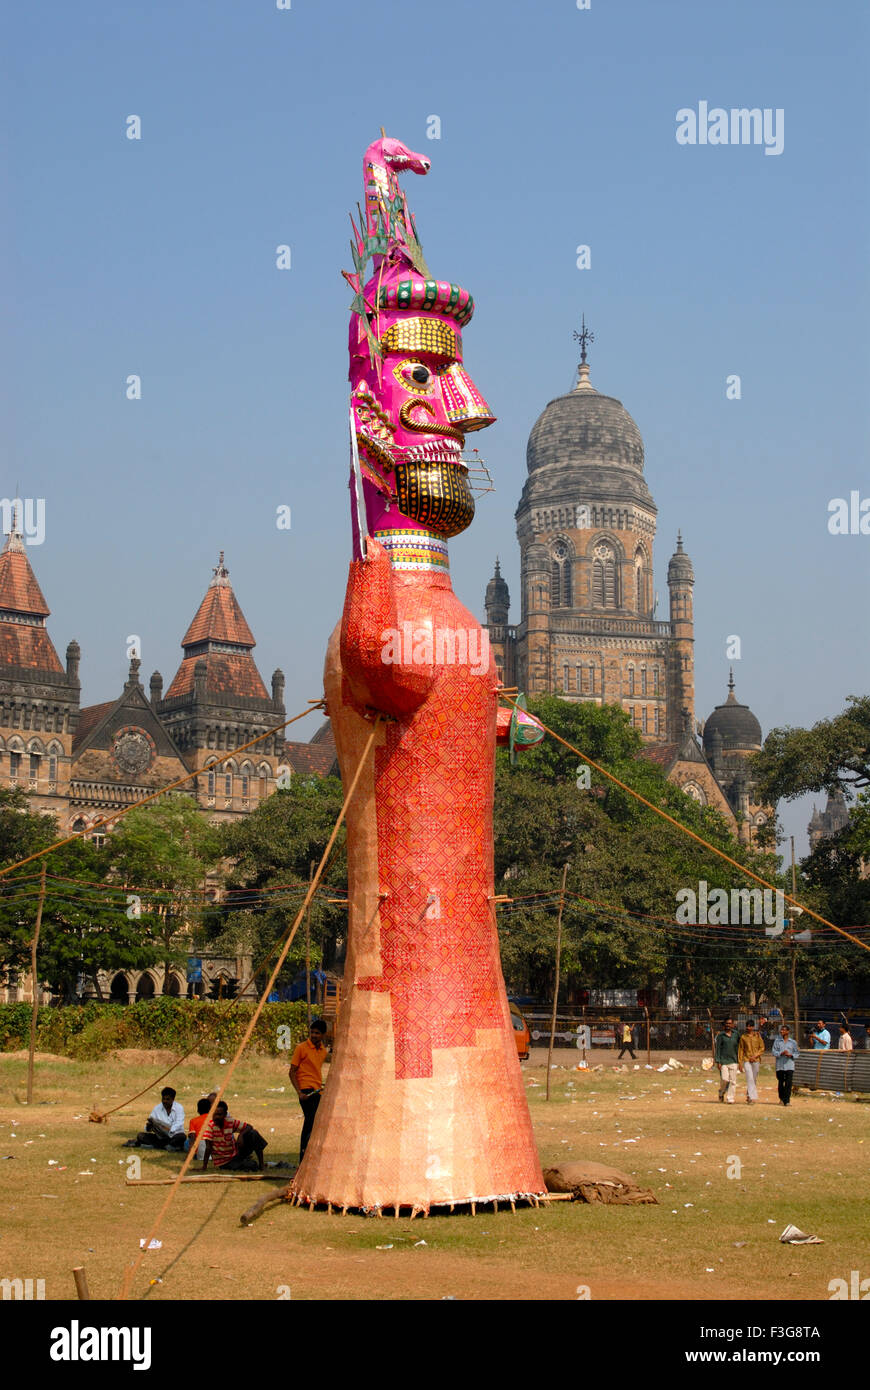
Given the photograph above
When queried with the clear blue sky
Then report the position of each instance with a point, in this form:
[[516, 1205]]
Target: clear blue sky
[[157, 257]]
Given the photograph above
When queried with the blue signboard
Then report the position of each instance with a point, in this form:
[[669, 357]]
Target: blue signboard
[[194, 969]]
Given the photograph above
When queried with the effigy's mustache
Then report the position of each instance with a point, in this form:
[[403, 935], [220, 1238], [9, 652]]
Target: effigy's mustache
[[430, 426]]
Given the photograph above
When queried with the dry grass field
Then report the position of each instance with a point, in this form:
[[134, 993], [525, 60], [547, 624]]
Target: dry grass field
[[64, 1202]]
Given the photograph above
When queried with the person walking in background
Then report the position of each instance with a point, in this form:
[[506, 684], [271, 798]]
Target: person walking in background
[[821, 1038], [845, 1043], [725, 1057], [785, 1050], [750, 1050], [306, 1074], [626, 1042]]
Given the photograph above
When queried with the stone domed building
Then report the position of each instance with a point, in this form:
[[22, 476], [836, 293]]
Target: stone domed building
[[732, 734], [588, 627]]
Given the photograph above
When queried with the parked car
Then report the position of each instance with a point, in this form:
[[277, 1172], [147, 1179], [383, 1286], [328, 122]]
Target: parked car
[[521, 1032]]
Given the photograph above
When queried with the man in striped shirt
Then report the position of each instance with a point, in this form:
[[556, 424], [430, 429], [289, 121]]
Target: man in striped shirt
[[231, 1142]]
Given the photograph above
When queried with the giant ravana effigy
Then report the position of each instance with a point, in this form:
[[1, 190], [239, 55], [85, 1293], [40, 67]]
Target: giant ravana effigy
[[425, 1104]]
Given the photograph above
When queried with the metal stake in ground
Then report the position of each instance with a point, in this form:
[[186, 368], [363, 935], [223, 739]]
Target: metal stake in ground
[[556, 985], [34, 1012]]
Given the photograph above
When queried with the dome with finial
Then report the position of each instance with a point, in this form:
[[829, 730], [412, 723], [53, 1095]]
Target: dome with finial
[[737, 726], [589, 440], [680, 566], [498, 597]]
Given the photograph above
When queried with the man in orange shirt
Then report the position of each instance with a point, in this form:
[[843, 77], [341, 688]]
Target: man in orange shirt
[[306, 1074]]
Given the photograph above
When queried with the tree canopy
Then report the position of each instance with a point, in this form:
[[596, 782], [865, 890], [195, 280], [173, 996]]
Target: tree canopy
[[834, 753], [626, 861], [270, 854], [84, 928]]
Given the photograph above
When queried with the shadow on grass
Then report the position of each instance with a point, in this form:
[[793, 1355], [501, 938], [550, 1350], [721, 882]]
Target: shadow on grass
[[184, 1249]]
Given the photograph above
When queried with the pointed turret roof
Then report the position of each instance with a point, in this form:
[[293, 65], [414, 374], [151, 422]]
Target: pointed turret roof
[[220, 636], [23, 611], [219, 617]]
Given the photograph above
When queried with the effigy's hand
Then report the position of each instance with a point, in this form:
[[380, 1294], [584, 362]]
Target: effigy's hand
[[380, 673]]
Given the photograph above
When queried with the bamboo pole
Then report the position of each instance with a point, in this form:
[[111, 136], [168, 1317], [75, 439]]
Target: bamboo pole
[[202, 1178], [81, 1279], [311, 867], [34, 1012], [648, 1058], [558, 966], [794, 989]]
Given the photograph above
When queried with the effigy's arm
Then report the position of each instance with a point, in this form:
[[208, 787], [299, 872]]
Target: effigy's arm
[[379, 658]]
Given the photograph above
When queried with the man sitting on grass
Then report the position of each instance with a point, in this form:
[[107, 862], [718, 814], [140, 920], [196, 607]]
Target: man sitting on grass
[[164, 1128], [231, 1143]]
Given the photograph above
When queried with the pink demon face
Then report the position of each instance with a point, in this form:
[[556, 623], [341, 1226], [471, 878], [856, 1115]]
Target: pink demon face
[[412, 419]]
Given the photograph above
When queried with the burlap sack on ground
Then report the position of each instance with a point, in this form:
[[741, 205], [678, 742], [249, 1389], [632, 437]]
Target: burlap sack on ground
[[595, 1182]]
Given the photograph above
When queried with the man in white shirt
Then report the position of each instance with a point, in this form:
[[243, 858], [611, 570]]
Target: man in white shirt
[[164, 1128], [845, 1043]]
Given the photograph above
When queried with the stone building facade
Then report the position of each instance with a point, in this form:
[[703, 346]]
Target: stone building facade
[[589, 628], [82, 763]]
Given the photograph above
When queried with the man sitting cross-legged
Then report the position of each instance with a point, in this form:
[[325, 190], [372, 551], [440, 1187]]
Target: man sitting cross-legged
[[164, 1128], [231, 1143]]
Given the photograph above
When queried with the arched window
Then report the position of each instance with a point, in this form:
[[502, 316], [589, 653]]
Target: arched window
[[605, 580], [566, 678], [643, 680], [228, 784], [658, 720], [655, 680], [560, 576], [645, 729], [631, 679], [52, 767], [640, 580], [591, 678]]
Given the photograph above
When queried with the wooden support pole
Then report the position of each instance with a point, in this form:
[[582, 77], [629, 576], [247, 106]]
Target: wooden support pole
[[79, 1273], [34, 984], [311, 867], [646, 1012], [201, 1178], [556, 984]]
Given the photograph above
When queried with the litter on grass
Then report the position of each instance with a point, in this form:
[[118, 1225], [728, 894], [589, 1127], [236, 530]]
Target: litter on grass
[[793, 1236]]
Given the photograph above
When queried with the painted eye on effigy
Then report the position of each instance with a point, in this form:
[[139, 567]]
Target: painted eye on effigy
[[415, 376]]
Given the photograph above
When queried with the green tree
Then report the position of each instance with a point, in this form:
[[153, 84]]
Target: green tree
[[162, 854], [623, 858], [84, 926], [834, 753], [270, 854]]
